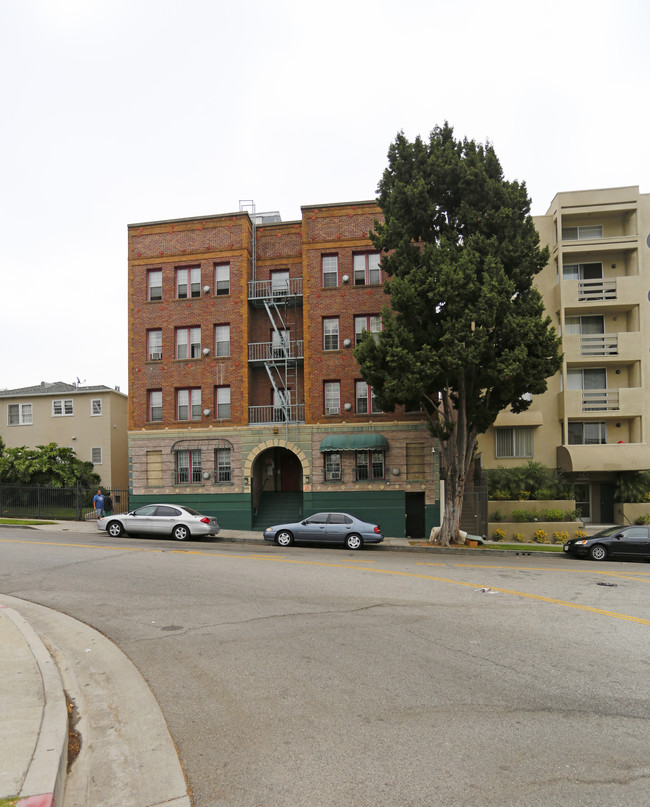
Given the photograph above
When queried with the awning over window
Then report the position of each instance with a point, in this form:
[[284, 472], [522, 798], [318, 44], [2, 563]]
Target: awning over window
[[355, 441]]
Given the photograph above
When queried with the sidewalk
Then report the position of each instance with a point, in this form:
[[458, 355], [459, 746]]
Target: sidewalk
[[127, 756]]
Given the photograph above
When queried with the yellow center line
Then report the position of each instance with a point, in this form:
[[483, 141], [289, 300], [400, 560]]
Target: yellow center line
[[344, 565]]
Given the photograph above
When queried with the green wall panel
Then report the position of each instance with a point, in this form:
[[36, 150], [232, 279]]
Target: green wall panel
[[232, 509]]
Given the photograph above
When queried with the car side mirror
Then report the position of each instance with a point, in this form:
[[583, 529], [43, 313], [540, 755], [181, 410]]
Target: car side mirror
[[304, 522]]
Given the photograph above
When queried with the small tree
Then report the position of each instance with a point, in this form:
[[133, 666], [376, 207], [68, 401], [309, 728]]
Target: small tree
[[467, 335], [51, 465]]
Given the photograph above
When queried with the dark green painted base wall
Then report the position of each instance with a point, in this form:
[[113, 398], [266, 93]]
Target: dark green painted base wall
[[384, 507]]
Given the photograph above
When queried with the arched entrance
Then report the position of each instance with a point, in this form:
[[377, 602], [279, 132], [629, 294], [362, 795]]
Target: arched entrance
[[277, 485]]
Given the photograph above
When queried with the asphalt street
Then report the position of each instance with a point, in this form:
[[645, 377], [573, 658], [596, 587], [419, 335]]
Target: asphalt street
[[316, 676]]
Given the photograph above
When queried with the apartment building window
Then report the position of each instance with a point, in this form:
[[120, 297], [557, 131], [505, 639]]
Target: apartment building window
[[330, 267], [154, 469], [584, 326], [95, 407], [586, 378], [514, 441], [366, 269], [154, 284], [155, 405], [222, 403], [415, 461], [280, 282], [364, 395], [331, 333], [332, 466], [371, 323], [188, 404], [332, 397], [222, 278], [154, 345], [222, 340], [96, 455], [587, 433], [222, 464], [369, 465], [280, 343], [582, 271], [188, 282], [19, 414], [582, 232], [188, 467], [62, 408], [188, 343]]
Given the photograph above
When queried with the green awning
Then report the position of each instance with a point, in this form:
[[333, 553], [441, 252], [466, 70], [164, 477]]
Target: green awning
[[355, 441]]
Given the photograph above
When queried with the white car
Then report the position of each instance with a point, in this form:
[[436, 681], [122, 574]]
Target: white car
[[174, 520]]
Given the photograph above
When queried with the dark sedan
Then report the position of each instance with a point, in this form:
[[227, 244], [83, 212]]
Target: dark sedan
[[327, 528], [621, 542]]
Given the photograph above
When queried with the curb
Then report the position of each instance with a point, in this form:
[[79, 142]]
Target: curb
[[44, 782]]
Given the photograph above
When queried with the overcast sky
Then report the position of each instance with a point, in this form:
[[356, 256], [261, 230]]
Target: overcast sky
[[124, 111]]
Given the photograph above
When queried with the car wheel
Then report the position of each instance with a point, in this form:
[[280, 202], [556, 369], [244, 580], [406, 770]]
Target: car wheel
[[598, 552], [284, 538], [180, 532], [115, 529], [353, 541]]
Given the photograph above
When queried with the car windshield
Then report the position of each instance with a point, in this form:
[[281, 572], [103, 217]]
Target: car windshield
[[607, 532]]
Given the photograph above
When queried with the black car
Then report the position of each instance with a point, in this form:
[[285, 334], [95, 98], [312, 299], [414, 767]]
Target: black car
[[619, 542]]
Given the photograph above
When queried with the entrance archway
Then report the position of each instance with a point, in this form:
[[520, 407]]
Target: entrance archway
[[276, 470]]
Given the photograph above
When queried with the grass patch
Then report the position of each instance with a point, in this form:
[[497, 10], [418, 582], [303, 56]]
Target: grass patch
[[12, 802], [526, 547], [22, 522]]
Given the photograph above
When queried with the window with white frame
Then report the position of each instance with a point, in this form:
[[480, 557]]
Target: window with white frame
[[95, 407], [222, 465], [369, 465], [333, 466], [96, 455], [330, 267], [62, 407], [188, 467], [332, 397], [280, 343], [514, 441], [188, 282], [364, 395], [366, 269], [587, 433], [331, 333], [222, 340], [582, 232], [280, 282], [188, 404], [154, 284], [155, 406], [371, 323], [222, 278], [222, 403], [154, 345], [188, 343], [19, 414]]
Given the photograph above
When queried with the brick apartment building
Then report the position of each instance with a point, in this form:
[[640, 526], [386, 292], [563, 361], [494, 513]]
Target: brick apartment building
[[245, 398]]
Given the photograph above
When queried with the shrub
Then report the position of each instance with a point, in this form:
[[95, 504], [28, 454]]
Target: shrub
[[540, 537], [560, 537], [498, 516], [499, 535], [524, 515], [518, 537], [552, 514], [530, 481], [580, 534], [644, 519]]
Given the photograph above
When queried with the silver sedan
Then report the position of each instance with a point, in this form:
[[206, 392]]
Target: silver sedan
[[172, 520], [330, 528]]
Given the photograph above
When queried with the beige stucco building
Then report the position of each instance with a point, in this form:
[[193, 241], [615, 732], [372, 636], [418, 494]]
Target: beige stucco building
[[592, 422], [91, 420]]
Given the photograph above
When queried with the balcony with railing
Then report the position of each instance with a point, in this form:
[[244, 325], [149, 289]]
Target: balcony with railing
[[624, 347], [609, 294], [278, 291], [276, 415], [264, 352], [585, 402]]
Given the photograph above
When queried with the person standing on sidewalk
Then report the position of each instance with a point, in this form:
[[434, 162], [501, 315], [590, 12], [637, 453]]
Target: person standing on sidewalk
[[108, 504], [98, 504]]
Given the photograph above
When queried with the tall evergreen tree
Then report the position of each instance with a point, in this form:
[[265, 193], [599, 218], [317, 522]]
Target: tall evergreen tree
[[466, 333]]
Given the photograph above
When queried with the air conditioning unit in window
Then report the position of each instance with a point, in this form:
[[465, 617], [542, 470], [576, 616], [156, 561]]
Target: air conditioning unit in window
[[155, 357], [334, 476], [333, 410]]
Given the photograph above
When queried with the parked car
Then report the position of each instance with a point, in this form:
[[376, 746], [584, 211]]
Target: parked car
[[622, 542], [327, 528], [172, 520]]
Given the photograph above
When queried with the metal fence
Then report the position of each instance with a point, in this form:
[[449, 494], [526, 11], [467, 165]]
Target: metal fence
[[66, 504]]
